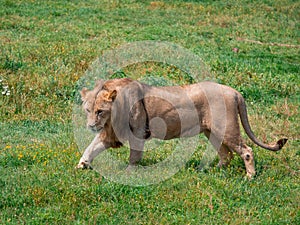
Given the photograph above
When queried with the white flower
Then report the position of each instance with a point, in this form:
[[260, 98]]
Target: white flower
[[3, 92], [7, 93], [5, 87]]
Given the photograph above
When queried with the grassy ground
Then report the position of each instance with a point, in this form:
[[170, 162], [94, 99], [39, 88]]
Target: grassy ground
[[46, 46]]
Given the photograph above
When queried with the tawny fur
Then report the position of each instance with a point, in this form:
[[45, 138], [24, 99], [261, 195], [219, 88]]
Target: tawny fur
[[126, 110]]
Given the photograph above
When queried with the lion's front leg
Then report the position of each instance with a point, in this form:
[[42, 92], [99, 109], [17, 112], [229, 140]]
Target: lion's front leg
[[95, 148], [136, 152]]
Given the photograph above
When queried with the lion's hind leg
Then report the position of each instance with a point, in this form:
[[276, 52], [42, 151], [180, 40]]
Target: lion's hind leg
[[224, 152], [248, 157], [225, 155], [246, 154]]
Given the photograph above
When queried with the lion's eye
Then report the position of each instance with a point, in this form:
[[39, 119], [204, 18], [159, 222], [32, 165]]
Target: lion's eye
[[99, 112], [88, 111]]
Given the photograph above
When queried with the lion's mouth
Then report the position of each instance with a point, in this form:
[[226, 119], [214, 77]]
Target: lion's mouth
[[96, 128]]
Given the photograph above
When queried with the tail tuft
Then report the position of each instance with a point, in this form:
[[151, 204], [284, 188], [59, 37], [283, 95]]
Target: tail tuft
[[280, 143]]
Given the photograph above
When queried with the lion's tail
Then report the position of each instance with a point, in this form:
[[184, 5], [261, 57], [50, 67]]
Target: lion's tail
[[245, 122]]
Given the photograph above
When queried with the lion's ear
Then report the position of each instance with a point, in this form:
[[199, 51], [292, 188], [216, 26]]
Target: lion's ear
[[83, 93], [112, 95]]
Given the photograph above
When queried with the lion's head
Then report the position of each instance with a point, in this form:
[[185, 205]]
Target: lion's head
[[97, 103], [102, 109], [88, 98]]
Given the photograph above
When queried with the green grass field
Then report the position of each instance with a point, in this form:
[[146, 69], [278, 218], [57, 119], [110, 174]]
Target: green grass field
[[46, 47]]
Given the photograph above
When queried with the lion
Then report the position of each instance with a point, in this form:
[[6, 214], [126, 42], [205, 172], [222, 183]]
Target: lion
[[121, 110]]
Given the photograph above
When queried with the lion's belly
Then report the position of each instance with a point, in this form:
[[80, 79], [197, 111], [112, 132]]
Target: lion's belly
[[162, 128], [171, 124], [165, 131], [171, 114]]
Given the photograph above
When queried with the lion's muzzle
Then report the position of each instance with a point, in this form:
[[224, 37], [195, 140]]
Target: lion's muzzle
[[95, 127]]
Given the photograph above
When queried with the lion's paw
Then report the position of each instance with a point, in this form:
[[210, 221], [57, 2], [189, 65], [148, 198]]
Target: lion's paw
[[83, 165], [131, 168]]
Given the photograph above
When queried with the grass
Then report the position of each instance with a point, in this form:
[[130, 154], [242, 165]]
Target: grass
[[46, 47]]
